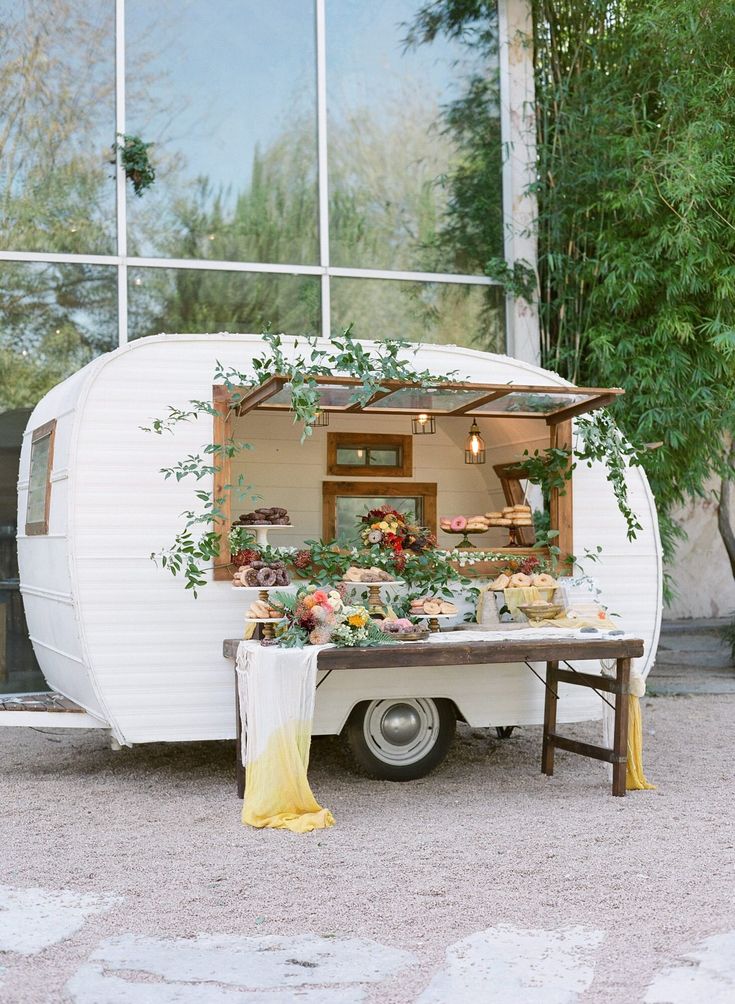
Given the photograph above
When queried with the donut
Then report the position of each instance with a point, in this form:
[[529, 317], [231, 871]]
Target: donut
[[458, 524], [520, 581], [448, 608], [544, 581], [502, 582], [250, 578], [266, 577], [493, 515], [258, 610]]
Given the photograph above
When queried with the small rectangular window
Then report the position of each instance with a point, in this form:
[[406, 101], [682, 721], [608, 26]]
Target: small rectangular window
[[369, 455], [39, 479]]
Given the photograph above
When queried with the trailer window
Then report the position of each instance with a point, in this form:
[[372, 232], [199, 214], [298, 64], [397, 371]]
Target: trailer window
[[344, 502], [39, 479], [370, 455]]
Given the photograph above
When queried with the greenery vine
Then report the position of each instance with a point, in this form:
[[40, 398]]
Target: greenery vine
[[198, 546]]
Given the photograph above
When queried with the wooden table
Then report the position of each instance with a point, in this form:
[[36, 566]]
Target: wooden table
[[508, 650]]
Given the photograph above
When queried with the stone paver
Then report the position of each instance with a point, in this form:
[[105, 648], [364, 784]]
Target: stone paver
[[507, 965], [706, 974], [33, 919]]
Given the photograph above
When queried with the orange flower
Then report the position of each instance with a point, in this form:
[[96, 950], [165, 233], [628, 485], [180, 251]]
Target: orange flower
[[356, 620]]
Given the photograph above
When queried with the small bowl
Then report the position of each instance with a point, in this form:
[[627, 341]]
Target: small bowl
[[545, 613], [421, 634]]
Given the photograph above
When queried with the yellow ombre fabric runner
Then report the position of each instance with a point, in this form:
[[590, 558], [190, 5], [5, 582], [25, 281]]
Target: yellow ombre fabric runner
[[277, 688]]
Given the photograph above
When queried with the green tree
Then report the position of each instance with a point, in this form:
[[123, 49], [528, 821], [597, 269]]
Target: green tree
[[636, 221]]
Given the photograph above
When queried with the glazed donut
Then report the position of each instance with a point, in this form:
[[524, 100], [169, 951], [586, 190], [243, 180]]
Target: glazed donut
[[459, 523], [544, 581], [520, 581], [432, 607], [266, 577], [502, 582]]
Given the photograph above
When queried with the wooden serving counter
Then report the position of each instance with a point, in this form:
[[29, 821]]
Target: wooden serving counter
[[504, 650]]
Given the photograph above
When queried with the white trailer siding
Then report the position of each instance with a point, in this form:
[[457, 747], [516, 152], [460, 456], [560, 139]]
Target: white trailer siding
[[144, 654]]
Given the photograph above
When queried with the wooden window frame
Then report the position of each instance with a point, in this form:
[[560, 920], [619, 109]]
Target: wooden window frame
[[370, 440], [48, 430], [331, 489]]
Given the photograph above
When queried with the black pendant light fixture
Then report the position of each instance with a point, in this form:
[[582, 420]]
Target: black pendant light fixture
[[423, 425], [474, 452]]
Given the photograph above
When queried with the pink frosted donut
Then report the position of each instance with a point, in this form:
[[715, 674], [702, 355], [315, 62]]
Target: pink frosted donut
[[459, 523]]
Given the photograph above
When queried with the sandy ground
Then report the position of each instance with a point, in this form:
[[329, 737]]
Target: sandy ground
[[485, 841]]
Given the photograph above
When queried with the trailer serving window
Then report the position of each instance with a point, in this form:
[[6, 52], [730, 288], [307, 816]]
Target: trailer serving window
[[39, 480]]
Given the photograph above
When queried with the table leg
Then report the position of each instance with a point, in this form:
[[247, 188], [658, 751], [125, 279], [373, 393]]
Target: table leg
[[552, 697], [620, 732], [239, 769]]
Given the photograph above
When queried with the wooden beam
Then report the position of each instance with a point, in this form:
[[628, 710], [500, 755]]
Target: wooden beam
[[561, 506], [479, 402], [257, 396], [583, 407]]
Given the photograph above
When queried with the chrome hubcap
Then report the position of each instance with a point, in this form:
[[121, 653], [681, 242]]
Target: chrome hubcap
[[401, 732], [400, 724]]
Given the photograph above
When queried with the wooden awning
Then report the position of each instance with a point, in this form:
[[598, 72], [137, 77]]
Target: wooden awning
[[398, 397]]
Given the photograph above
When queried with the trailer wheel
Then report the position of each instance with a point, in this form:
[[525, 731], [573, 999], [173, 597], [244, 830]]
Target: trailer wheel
[[400, 739]]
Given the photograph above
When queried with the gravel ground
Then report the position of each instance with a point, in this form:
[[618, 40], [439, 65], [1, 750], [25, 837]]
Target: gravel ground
[[486, 840]]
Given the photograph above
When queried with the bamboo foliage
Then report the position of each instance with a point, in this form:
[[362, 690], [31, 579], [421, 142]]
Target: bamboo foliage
[[636, 220]]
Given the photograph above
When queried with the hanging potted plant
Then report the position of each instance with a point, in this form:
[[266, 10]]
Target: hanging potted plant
[[135, 161]]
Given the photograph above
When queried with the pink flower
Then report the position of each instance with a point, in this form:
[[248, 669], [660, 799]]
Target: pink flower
[[320, 596], [319, 636]]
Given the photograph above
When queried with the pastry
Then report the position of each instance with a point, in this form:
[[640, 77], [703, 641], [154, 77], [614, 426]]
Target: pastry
[[544, 581], [459, 523], [520, 581], [432, 607], [502, 582], [493, 515], [448, 608], [259, 610]]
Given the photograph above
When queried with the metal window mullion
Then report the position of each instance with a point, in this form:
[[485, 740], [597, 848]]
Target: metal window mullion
[[507, 165], [323, 164], [122, 225]]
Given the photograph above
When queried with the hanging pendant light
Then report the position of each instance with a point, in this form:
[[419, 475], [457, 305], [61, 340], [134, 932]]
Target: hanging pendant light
[[321, 419], [423, 425], [475, 447]]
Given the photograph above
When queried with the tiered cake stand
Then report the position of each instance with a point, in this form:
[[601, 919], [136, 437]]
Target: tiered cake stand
[[262, 530], [465, 544], [375, 603], [268, 623], [434, 619]]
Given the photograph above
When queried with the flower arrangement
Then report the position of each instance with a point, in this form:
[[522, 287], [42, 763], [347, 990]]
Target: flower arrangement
[[387, 528], [321, 617]]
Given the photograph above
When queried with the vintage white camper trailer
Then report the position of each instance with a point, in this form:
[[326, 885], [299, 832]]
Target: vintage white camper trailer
[[125, 641]]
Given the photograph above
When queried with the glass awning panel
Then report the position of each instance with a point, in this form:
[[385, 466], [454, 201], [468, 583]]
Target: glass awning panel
[[395, 397], [332, 397], [537, 403], [433, 400]]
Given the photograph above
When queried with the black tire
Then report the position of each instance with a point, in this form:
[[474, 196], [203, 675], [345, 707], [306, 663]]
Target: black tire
[[408, 759]]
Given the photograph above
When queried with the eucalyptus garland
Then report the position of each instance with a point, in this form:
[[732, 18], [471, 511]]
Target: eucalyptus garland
[[195, 549], [197, 546]]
